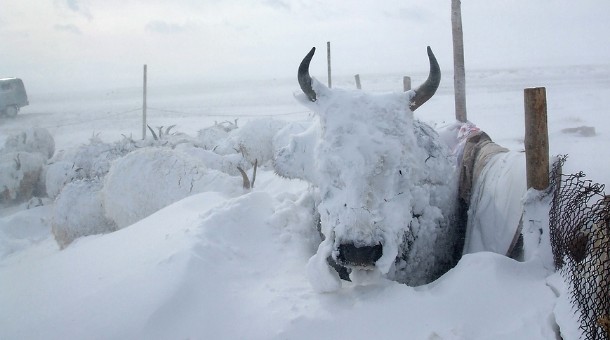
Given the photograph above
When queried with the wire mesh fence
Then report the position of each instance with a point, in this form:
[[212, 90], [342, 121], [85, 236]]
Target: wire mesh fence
[[580, 237]]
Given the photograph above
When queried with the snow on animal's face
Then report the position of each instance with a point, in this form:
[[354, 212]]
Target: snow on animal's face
[[376, 170], [363, 163], [367, 163]]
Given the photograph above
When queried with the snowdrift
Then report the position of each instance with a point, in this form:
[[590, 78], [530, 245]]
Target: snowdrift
[[216, 267]]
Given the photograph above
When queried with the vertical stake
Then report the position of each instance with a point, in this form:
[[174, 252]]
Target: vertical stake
[[144, 107], [358, 86], [406, 83], [328, 60], [536, 138]]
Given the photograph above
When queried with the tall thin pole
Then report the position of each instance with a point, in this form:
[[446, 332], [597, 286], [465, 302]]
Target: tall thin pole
[[328, 60], [358, 86], [144, 107], [459, 75]]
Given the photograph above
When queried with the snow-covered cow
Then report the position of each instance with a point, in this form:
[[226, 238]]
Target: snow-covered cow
[[385, 183]]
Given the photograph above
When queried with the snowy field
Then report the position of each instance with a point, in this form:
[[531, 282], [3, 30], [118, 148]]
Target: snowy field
[[226, 263]]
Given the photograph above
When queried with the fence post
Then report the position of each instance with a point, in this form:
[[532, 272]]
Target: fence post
[[459, 75], [328, 61], [358, 86], [536, 138], [406, 83], [144, 106]]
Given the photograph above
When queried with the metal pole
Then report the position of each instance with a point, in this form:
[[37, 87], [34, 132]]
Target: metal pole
[[144, 107]]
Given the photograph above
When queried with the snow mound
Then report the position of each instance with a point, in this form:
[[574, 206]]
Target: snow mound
[[23, 229]]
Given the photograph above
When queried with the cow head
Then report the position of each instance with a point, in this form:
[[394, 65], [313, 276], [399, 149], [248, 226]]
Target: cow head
[[381, 176]]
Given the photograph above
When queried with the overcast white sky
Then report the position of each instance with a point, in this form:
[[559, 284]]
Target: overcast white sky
[[104, 43]]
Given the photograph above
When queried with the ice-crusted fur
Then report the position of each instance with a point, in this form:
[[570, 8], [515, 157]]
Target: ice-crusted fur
[[149, 179], [19, 175], [382, 177], [34, 140], [79, 211]]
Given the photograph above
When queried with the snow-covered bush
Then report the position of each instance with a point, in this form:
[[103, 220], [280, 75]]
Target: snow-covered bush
[[36, 140], [24, 228], [79, 212], [149, 179], [19, 175]]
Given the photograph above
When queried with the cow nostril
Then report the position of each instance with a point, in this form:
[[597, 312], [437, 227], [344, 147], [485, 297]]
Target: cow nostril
[[365, 256]]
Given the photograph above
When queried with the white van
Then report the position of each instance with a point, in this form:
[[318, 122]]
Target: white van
[[12, 96]]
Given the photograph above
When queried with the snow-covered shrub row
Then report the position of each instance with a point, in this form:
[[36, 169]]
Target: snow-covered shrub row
[[79, 212], [149, 179], [24, 228]]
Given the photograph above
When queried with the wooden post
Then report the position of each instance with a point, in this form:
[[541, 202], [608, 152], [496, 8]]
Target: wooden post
[[328, 60], [358, 81], [144, 106], [406, 83], [459, 73], [536, 138]]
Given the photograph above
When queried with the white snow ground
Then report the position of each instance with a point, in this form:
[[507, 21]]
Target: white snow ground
[[215, 265]]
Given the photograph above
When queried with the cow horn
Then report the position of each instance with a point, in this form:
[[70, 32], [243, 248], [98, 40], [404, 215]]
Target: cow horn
[[305, 78], [426, 90]]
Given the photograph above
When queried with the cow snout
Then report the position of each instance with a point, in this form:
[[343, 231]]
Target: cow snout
[[363, 256]]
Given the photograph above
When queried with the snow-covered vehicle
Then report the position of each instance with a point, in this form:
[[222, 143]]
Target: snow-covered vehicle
[[12, 96]]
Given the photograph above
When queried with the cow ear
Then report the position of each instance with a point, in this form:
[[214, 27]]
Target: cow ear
[[296, 160]]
